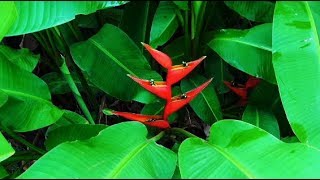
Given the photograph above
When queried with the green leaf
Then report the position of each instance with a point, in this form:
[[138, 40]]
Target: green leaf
[[119, 151], [58, 84], [290, 139], [68, 118], [164, 24], [3, 172], [240, 150], [206, 105], [217, 68], [3, 98], [6, 150], [72, 132], [157, 109], [175, 50], [247, 50], [8, 15], [262, 118], [183, 5], [108, 64], [28, 100], [35, 16], [260, 11], [136, 21], [22, 57], [296, 59], [264, 94]]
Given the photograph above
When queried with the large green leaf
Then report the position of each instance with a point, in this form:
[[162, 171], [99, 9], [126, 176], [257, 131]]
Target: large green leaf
[[6, 150], [175, 50], [218, 69], [136, 21], [3, 172], [112, 56], [68, 118], [206, 105], [38, 15], [240, 150], [22, 58], [59, 85], [119, 151], [263, 118], [261, 11], [28, 106], [71, 133], [8, 15], [164, 25], [247, 50], [296, 56]]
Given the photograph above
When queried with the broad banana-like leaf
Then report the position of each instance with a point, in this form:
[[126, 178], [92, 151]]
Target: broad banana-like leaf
[[28, 106], [296, 60], [237, 149], [35, 16], [8, 15], [247, 50], [119, 151], [6, 150], [108, 57]]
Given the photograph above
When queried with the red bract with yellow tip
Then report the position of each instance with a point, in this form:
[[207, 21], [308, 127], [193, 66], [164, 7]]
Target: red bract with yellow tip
[[163, 89]]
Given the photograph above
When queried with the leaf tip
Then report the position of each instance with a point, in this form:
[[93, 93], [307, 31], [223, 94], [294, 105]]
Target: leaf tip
[[108, 112]]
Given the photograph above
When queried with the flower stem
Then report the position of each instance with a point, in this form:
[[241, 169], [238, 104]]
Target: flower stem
[[158, 136]]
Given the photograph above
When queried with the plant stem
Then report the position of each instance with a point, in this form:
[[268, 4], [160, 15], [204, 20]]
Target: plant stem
[[158, 136], [21, 140], [182, 131], [66, 73], [186, 33]]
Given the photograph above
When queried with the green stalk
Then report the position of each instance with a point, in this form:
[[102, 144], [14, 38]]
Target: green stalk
[[21, 140], [187, 33], [66, 73], [92, 101], [183, 132], [158, 136], [198, 10]]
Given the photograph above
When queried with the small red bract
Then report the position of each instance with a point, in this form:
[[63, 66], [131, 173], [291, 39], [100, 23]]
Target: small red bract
[[163, 89]]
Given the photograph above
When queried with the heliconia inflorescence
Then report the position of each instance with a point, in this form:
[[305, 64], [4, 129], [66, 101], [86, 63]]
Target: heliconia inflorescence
[[163, 89]]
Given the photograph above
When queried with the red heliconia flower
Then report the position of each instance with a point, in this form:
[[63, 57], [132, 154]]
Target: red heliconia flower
[[158, 88], [151, 120], [159, 56], [163, 89], [243, 91], [178, 102], [177, 72]]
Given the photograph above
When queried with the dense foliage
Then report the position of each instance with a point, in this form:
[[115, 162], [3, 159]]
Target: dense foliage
[[66, 67]]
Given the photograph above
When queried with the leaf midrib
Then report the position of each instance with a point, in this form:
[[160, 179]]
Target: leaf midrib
[[107, 53], [205, 100], [231, 159], [244, 43], [125, 160], [26, 95]]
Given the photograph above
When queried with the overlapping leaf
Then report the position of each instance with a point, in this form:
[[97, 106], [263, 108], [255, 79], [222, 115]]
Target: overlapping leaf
[[240, 150], [206, 105], [261, 11], [247, 50], [8, 15], [296, 56], [6, 150], [164, 25], [38, 15], [119, 151], [112, 56], [28, 106]]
